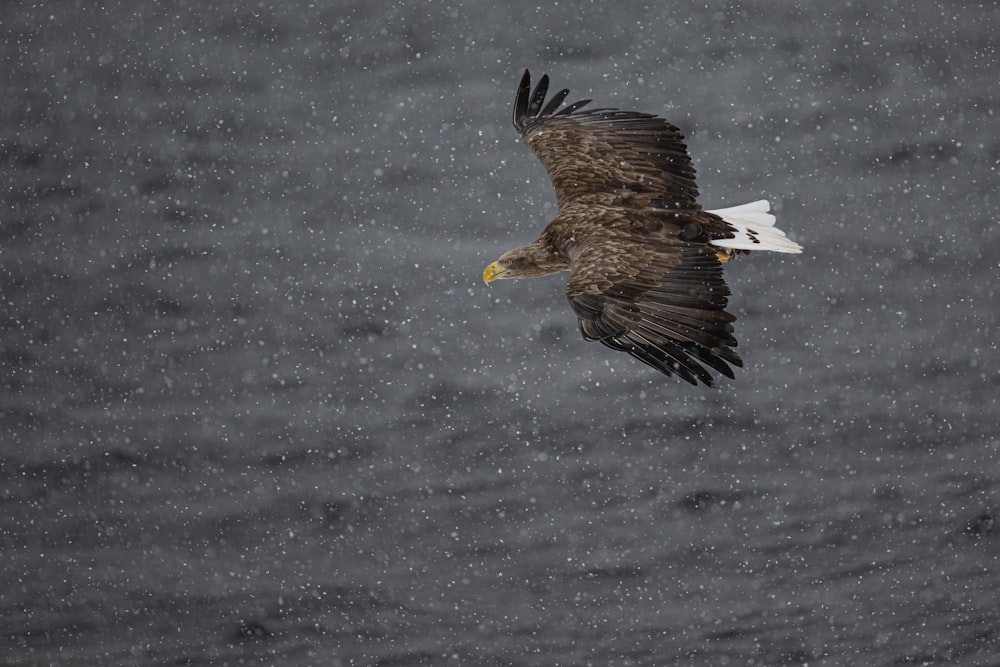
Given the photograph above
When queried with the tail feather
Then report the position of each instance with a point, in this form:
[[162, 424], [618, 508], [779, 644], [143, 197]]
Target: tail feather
[[754, 229]]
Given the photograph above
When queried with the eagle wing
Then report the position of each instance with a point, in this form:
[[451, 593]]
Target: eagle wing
[[606, 156], [662, 300]]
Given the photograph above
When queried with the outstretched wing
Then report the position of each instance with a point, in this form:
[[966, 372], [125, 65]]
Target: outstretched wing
[[606, 156], [662, 301]]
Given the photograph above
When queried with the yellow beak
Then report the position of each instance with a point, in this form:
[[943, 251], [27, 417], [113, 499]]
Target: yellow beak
[[492, 272]]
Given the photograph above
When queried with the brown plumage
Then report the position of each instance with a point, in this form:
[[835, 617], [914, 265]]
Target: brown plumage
[[644, 258]]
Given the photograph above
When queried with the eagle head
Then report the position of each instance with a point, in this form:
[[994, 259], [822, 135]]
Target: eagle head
[[530, 261]]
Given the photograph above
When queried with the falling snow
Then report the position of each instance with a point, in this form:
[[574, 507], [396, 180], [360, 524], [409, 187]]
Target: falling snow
[[258, 408]]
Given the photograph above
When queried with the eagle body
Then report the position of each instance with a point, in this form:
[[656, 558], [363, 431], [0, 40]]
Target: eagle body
[[645, 260]]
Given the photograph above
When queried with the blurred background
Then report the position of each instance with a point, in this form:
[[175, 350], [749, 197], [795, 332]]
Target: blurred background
[[257, 406]]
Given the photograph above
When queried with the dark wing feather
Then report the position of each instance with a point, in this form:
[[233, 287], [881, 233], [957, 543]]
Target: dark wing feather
[[661, 300], [605, 156], [554, 102], [528, 105]]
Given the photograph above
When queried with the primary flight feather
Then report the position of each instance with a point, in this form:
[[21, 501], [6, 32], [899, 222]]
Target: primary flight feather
[[645, 260]]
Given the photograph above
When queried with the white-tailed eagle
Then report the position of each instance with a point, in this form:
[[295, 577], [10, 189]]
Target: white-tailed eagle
[[645, 260]]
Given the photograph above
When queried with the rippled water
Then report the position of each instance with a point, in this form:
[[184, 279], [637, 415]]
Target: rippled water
[[258, 407]]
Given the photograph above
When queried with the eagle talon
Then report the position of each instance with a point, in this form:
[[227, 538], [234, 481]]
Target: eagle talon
[[726, 255]]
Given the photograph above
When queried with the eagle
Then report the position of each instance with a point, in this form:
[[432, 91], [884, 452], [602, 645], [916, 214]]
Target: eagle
[[644, 259]]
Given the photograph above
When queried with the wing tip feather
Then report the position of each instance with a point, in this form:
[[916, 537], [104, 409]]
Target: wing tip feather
[[687, 361], [530, 105]]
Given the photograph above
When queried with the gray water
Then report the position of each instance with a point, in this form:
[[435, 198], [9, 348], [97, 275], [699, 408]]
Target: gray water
[[258, 407]]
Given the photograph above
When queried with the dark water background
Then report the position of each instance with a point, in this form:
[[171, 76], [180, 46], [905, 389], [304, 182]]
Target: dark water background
[[258, 408]]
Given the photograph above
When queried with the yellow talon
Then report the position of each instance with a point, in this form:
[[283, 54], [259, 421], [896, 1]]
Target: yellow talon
[[725, 255]]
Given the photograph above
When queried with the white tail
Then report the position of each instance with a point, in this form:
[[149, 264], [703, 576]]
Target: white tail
[[755, 229]]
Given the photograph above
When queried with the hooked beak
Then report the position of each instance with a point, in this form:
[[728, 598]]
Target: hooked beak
[[492, 272]]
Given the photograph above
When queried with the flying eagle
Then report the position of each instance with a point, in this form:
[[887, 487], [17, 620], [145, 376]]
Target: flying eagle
[[645, 260]]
